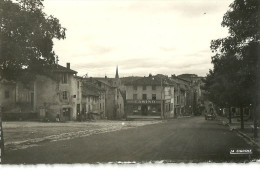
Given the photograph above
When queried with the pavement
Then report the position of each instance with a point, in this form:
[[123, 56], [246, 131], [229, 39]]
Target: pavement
[[186, 140], [247, 132]]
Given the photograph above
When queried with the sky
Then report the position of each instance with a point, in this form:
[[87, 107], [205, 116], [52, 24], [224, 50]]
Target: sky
[[140, 36]]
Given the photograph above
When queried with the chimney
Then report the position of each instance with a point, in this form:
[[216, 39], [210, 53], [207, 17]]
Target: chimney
[[68, 65]]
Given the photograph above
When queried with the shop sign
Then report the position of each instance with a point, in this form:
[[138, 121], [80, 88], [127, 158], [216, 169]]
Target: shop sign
[[144, 101]]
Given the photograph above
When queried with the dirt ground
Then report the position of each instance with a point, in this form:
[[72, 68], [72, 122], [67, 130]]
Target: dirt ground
[[21, 135]]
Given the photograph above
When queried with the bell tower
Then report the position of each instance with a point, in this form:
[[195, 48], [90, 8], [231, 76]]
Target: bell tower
[[117, 76]]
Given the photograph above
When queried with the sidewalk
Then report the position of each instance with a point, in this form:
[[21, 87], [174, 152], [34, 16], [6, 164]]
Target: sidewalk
[[247, 132]]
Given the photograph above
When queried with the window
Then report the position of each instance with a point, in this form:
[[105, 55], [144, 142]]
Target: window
[[144, 96], [153, 96], [7, 94], [144, 87], [178, 99], [78, 84], [64, 78], [153, 87], [135, 87], [64, 95], [135, 96]]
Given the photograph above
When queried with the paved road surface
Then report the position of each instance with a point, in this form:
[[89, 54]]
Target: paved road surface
[[180, 140]]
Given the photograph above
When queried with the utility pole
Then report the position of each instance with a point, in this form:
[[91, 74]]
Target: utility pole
[[242, 117], [229, 113], [162, 100], [255, 111], [1, 136]]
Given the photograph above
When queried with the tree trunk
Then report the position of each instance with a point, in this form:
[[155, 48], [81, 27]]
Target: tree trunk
[[229, 113], [1, 136], [242, 117]]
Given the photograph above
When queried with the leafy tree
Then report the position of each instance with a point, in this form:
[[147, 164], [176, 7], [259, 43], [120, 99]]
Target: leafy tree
[[26, 38], [234, 80]]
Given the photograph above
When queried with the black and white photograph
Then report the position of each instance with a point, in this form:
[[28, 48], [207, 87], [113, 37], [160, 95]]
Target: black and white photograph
[[129, 83]]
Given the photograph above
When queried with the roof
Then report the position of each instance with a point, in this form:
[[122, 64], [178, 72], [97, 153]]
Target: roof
[[104, 82], [107, 81], [125, 80], [59, 68], [150, 81], [89, 89]]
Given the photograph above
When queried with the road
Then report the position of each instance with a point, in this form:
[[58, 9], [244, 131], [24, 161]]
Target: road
[[179, 140]]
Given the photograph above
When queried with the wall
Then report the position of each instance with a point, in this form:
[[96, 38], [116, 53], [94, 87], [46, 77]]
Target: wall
[[120, 105], [49, 100], [110, 103], [130, 91], [25, 96], [7, 103]]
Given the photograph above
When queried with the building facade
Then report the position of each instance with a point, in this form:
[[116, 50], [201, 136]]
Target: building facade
[[93, 102], [149, 96], [57, 94]]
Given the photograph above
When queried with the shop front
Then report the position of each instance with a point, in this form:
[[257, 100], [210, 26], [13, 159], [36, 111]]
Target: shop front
[[143, 107]]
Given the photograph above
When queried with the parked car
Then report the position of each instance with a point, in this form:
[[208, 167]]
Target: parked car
[[211, 116]]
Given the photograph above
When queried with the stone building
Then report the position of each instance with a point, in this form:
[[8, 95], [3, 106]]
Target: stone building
[[7, 95], [17, 100], [57, 94], [114, 96], [93, 101], [149, 96], [114, 101], [182, 96], [197, 95]]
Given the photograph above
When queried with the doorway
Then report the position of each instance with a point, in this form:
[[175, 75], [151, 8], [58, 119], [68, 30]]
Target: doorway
[[66, 113], [144, 110]]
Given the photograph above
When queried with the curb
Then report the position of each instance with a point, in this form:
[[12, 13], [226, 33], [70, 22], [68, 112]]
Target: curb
[[247, 137], [241, 133], [183, 117]]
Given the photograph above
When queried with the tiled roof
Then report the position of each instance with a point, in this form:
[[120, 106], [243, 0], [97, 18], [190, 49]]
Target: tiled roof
[[107, 81], [150, 81], [89, 89], [59, 68]]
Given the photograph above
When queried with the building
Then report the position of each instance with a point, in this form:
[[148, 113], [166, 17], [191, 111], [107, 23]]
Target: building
[[114, 101], [17, 100], [93, 101], [114, 96], [7, 95], [197, 95], [150, 96], [57, 94], [182, 104]]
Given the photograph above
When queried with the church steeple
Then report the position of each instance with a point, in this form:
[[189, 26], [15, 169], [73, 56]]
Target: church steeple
[[117, 76]]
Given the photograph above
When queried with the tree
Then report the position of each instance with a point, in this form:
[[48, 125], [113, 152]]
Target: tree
[[26, 38], [234, 80]]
